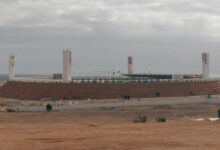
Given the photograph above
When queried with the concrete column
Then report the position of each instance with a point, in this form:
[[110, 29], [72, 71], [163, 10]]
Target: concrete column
[[67, 65], [205, 65], [130, 65], [11, 63]]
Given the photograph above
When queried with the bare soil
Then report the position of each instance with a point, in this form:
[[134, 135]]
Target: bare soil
[[112, 128]]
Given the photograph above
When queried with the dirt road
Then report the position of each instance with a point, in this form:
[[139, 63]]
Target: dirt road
[[177, 101]]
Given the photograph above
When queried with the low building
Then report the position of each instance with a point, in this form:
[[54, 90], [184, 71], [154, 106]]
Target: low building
[[57, 76]]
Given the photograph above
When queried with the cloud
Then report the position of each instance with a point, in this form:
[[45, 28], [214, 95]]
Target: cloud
[[158, 33], [130, 16]]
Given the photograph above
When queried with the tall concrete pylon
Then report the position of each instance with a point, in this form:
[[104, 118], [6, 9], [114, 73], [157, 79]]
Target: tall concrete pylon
[[130, 65], [11, 64], [67, 65], [205, 65]]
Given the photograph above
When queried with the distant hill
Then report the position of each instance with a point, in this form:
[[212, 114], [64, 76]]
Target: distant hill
[[3, 77]]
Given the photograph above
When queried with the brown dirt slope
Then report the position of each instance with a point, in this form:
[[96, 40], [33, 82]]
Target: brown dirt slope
[[36, 91]]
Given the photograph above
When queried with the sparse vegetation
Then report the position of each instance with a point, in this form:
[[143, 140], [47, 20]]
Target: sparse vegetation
[[163, 107], [49, 107], [140, 119], [126, 97], [161, 119], [10, 110], [219, 113], [92, 125], [108, 108], [53, 99]]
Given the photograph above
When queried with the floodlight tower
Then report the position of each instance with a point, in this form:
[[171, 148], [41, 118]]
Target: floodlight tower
[[11, 64], [67, 64], [205, 65], [130, 65]]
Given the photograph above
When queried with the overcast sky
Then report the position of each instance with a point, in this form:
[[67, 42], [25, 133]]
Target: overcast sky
[[163, 36]]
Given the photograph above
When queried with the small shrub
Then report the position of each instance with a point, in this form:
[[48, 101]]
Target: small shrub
[[161, 119], [10, 110], [92, 125], [140, 119], [53, 99], [126, 97], [219, 113], [49, 107]]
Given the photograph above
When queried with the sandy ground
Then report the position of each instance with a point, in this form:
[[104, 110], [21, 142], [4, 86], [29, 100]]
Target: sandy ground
[[110, 129]]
